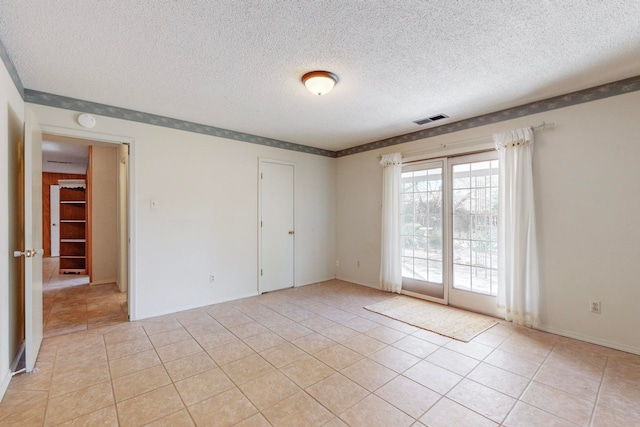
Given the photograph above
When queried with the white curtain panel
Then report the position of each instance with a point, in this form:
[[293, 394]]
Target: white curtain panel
[[518, 283], [391, 263]]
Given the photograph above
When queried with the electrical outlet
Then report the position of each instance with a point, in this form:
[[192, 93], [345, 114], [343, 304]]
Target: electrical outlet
[[337, 263], [358, 263], [595, 307], [212, 278]]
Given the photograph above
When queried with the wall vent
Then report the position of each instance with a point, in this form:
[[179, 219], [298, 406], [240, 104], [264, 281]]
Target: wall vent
[[431, 119]]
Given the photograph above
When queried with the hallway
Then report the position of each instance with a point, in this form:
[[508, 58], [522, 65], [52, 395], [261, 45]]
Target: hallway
[[71, 304]]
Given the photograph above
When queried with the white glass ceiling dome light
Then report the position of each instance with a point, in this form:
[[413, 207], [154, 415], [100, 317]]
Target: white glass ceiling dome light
[[319, 82]]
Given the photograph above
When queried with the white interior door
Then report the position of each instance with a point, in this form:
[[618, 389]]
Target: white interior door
[[32, 251], [54, 225], [276, 224]]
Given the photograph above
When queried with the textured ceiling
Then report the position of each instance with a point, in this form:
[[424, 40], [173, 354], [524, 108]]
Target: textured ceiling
[[237, 64]]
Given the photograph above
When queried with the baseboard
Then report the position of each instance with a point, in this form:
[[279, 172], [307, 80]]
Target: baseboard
[[604, 343], [104, 282], [5, 384], [7, 378], [356, 282], [313, 281]]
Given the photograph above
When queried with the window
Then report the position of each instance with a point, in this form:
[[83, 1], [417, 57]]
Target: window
[[421, 223], [459, 249], [474, 210]]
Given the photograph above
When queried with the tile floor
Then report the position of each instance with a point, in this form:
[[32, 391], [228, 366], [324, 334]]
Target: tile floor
[[70, 304], [312, 356]]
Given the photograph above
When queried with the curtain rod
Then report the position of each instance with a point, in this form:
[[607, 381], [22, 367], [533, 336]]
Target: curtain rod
[[541, 126]]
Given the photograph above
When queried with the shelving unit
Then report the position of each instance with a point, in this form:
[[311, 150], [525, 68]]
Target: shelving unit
[[73, 230]]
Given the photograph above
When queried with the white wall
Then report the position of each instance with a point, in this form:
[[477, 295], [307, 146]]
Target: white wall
[[11, 106], [206, 189], [104, 214], [587, 187]]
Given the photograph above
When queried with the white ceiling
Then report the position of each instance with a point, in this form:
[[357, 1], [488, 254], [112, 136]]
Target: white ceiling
[[237, 64]]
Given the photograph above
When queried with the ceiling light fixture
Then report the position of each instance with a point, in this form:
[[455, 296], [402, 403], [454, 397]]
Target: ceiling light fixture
[[319, 82]]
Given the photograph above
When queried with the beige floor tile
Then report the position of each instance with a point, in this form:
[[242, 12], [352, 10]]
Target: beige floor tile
[[580, 364], [434, 377], [291, 331], [337, 393], [621, 394], [513, 363], [394, 358], [447, 413], [169, 337], [360, 324], [432, 337], [336, 422], [257, 420], [369, 374], [297, 410], [81, 378], [338, 356], [264, 341], [313, 342], [524, 415], [317, 323], [102, 417], [203, 386], [247, 369], [559, 403], [283, 355], [490, 339], [126, 348], [177, 419], [124, 335], [365, 345], [498, 379], [78, 403], [307, 371], [606, 417], [224, 409], [133, 363], [149, 407], [416, 346], [568, 381], [481, 399], [178, 350], [234, 319], [216, 339], [248, 330], [23, 408], [160, 324], [230, 352], [140, 382], [385, 334], [373, 411], [40, 379], [188, 366], [453, 361], [269, 389], [339, 333], [408, 396], [472, 349]]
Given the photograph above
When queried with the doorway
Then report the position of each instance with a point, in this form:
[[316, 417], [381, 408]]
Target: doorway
[[85, 285], [449, 216], [276, 225]]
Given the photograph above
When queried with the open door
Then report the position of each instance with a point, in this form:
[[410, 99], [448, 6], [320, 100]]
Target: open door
[[32, 250]]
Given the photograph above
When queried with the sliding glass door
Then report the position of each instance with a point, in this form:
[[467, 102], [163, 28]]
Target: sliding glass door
[[422, 230], [449, 223]]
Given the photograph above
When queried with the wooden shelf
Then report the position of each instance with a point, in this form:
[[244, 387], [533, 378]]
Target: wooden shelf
[[73, 231]]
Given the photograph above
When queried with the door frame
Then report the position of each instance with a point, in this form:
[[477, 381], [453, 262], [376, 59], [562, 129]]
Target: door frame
[[261, 161], [131, 208]]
